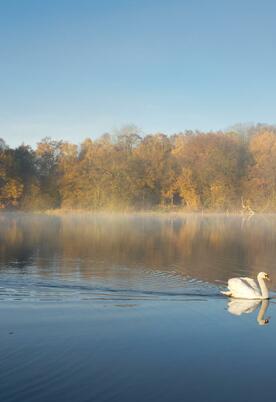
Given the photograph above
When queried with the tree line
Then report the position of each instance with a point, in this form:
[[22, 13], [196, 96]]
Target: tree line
[[217, 171]]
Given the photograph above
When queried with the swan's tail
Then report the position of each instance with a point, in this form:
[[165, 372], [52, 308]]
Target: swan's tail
[[227, 293]]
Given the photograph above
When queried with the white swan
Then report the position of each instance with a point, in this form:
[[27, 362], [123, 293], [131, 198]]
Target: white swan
[[247, 288]]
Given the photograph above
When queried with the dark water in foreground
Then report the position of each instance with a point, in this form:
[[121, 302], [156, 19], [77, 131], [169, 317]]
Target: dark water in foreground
[[128, 308]]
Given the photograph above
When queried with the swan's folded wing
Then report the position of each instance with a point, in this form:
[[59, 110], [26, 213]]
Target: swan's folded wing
[[241, 288], [237, 284], [251, 283]]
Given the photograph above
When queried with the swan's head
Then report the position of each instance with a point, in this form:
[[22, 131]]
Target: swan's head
[[263, 275]]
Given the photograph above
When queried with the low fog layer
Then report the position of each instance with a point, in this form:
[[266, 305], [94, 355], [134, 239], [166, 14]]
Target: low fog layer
[[148, 249]]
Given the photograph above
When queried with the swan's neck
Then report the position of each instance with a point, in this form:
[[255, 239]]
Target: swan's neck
[[263, 287]]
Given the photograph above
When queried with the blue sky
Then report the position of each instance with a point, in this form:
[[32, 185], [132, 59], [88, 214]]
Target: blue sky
[[77, 68]]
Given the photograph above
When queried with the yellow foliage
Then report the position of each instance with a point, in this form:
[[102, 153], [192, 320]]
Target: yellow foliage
[[12, 191], [187, 189]]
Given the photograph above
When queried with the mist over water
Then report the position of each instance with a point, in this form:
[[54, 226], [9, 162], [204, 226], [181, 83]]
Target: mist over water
[[80, 256], [126, 308]]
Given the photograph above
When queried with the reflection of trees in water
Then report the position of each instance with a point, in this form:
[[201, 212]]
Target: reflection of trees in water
[[205, 247], [24, 238]]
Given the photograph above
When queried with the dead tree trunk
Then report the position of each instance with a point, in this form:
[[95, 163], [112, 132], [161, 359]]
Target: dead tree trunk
[[246, 209]]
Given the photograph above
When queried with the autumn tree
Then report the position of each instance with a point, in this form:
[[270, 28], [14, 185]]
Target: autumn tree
[[47, 154], [211, 169], [158, 169], [11, 185], [214, 171], [260, 181]]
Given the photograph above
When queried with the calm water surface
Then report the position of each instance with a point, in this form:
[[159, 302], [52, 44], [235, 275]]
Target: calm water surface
[[128, 308]]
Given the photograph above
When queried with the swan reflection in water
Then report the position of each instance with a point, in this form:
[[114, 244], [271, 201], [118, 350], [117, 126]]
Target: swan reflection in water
[[242, 306]]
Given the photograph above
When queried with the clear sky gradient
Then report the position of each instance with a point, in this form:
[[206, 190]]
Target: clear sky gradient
[[77, 68]]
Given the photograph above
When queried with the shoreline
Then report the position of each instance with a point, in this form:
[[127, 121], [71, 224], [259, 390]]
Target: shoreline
[[161, 212]]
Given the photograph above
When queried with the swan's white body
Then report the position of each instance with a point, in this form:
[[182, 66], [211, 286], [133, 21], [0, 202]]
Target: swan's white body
[[247, 288]]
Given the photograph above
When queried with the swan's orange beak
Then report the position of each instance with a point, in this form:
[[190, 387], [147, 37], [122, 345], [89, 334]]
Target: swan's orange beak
[[267, 277]]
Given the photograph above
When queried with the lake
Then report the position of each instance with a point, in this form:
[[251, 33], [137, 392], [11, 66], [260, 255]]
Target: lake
[[127, 307]]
